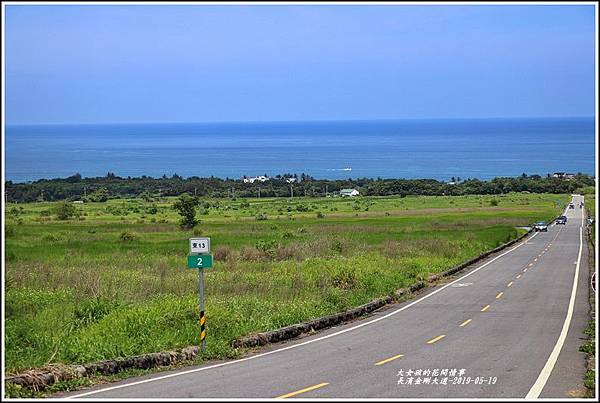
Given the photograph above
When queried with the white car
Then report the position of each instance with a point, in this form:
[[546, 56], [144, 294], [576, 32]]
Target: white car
[[540, 226]]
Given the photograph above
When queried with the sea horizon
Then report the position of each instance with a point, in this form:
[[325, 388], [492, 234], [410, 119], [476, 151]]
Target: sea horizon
[[411, 148], [307, 121]]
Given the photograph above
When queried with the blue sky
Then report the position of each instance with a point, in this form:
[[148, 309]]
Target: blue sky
[[197, 63]]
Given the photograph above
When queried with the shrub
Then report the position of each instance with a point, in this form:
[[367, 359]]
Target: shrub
[[320, 215], [51, 238], [337, 246], [494, 202], [15, 212], [268, 247], [65, 210], [222, 253], [287, 235], [286, 252], [127, 236], [90, 311], [146, 196], [45, 213], [250, 254], [345, 280], [261, 217], [100, 195]]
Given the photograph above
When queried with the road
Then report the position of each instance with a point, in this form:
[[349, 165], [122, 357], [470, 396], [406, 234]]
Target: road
[[509, 327]]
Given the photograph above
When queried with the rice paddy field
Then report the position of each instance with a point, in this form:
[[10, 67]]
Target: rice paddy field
[[112, 281]]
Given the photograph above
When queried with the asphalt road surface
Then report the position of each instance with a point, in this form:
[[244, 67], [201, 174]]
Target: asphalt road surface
[[509, 327]]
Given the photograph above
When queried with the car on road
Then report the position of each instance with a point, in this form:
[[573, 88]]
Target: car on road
[[561, 220], [540, 226], [571, 205]]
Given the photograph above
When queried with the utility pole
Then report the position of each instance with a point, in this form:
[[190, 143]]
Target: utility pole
[[326, 193], [195, 191], [292, 190]]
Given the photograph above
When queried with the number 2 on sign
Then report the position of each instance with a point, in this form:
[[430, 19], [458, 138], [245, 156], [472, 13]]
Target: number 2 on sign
[[199, 262]]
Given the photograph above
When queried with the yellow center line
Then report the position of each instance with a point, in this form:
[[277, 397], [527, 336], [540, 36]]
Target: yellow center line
[[320, 385], [440, 337], [509, 284], [518, 276], [389, 359], [499, 295], [485, 308], [465, 323]]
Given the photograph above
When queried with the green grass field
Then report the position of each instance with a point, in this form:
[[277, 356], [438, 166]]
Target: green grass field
[[113, 282]]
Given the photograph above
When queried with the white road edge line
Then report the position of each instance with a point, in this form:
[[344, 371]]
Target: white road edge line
[[304, 343], [539, 384]]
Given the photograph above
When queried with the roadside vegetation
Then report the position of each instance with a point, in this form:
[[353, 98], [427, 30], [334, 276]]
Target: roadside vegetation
[[589, 347], [105, 279]]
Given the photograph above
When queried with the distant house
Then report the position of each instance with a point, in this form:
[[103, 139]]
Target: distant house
[[78, 202], [261, 178], [563, 175], [349, 192], [291, 180]]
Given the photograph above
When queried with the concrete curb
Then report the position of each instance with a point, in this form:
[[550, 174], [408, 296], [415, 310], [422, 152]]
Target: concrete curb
[[40, 378], [590, 360]]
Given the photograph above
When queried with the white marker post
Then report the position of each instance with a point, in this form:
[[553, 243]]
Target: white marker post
[[200, 258]]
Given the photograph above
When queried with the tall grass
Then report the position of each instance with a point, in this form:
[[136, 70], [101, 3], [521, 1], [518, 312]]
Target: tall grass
[[79, 291]]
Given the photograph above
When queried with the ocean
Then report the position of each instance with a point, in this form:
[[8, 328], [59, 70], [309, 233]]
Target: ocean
[[438, 149]]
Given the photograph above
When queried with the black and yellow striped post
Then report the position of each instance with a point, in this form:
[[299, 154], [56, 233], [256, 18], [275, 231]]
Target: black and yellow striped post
[[202, 330], [202, 317]]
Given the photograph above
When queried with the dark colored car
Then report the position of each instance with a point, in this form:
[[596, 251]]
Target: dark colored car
[[561, 220]]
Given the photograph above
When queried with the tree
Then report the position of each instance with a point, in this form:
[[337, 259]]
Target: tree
[[186, 207], [146, 196], [100, 195], [74, 178], [65, 210]]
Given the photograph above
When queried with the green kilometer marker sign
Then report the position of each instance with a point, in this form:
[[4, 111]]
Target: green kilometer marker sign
[[200, 261]]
